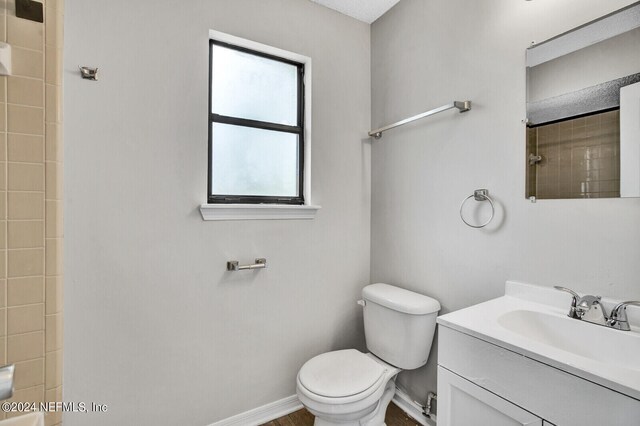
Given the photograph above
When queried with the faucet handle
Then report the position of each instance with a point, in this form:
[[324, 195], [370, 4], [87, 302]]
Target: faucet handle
[[618, 317], [574, 301], [567, 290]]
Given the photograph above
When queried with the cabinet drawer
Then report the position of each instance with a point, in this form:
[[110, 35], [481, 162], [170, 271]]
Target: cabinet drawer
[[552, 394], [462, 403]]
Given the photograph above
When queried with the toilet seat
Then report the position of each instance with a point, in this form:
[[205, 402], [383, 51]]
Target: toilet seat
[[340, 374], [361, 389]]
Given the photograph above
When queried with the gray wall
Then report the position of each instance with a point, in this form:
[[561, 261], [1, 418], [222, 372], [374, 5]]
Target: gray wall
[[425, 54], [154, 326]]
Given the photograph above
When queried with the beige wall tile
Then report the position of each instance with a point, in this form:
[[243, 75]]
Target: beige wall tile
[[3, 299], [53, 142], [3, 178], [54, 395], [53, 181], [56, 4], [29, 295], [25, 319], [29, 373], [25, 91], [53, 256], [25, 33], [3, 352], [24, 119], [34, 394], [53, 27], [25, 291], [3, 28], [27, 63], [3, 120], [53, 104], [53, 364], [3, 146], [26, 177], [54, 223], [53, 418], [53, 295], [25, 346], [3, 205], [25, 234], [25, 205], [53, 332], [3, 322], [25, 262], [3, 263], [53, 71], [25, 148]]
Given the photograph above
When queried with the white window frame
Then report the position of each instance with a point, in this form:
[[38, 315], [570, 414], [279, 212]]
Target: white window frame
[[271, 211]]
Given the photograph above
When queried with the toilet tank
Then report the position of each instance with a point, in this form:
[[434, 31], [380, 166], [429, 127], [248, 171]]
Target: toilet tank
[[399, 324]]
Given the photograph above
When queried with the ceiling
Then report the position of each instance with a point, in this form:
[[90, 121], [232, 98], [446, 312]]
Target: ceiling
[[363, 10]]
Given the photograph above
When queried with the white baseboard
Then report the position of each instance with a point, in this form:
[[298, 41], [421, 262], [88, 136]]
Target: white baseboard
[[406, 404], [288, 405], [263, 414]]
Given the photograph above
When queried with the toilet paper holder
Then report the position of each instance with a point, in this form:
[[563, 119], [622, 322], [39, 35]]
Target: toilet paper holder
[[234, 265]]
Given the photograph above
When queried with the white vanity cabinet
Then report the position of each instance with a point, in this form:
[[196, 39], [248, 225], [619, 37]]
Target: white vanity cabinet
[[462, 403], [481, 383]]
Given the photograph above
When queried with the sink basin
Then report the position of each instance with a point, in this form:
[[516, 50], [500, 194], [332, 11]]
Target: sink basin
[[591, 341], [31, 419], [532, 321]]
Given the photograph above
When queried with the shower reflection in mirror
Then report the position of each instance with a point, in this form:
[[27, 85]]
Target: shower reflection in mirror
[[583, 111]]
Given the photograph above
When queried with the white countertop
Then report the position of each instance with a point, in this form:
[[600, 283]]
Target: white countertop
[[532, 321]]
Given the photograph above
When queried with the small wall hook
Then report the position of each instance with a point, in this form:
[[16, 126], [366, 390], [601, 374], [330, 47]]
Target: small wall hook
[[89, 73]]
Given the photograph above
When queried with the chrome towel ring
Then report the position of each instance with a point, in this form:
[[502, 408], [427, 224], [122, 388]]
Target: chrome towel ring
[[479, 195]]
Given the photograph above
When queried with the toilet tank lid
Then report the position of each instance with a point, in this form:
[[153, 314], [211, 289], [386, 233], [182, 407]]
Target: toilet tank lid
[[400, 300]]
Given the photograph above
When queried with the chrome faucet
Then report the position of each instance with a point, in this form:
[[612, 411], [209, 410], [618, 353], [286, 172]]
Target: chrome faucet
[[591, 310], [6, 381], [586, 308], [618, 318]]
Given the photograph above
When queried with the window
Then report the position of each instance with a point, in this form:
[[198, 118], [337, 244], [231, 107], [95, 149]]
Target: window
[[256, 126]]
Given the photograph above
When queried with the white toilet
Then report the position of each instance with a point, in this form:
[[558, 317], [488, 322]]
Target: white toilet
[[349, 388]]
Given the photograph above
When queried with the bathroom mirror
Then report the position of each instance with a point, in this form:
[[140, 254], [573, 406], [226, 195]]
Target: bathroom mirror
[[583, 111]]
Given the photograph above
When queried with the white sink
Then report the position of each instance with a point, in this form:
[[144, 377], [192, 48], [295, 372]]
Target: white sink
[[595, 342], [31, 419], [532, 321]]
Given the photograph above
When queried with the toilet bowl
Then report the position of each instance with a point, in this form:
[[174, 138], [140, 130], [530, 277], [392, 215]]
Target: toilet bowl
[[351, 388], [346, 387]]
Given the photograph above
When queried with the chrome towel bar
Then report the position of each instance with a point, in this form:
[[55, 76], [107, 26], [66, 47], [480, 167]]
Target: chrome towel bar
[[462, 106], [234, 265]]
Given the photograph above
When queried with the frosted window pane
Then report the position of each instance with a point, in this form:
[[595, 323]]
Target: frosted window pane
[[248, 161], [249, 86]]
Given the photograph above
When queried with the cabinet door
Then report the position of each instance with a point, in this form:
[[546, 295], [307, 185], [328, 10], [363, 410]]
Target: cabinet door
[[462, 403]]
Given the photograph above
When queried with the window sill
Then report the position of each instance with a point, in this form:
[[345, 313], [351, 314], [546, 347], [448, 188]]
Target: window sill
[[257, 211]]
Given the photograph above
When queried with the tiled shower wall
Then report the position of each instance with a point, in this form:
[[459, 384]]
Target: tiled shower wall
[[31, 206], [580, 158]]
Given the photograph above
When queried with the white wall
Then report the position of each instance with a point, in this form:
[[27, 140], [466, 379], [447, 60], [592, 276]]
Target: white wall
[[154, 326], [426, 54]]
